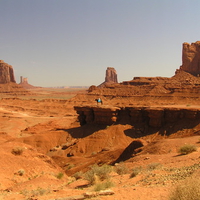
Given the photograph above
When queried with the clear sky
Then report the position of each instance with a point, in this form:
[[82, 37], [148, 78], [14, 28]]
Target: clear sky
[[72, 42]]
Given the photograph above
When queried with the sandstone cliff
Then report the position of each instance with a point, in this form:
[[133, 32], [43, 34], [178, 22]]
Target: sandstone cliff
[[8, 85], [111, 77], [6, 73], [191, 58]]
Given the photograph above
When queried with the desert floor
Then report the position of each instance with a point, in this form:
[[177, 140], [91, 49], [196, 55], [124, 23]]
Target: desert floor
[[34, 128]]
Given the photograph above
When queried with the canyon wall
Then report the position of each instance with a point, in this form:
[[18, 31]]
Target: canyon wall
[[148, 116]]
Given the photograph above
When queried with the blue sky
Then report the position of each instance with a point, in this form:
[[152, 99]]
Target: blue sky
[[72, 42]]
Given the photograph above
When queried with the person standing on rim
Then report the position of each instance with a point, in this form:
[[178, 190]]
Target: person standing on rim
[[99, 101]]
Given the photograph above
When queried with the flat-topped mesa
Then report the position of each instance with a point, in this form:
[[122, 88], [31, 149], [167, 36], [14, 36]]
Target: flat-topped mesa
[[191, 58], [111, 77], [6, 73]]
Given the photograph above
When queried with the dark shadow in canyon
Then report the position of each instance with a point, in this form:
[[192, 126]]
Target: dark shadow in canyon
[[85, 130]]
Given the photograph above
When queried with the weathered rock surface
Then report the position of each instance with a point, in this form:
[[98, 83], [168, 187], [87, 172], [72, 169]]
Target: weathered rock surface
[[150, 116], [6, 73], [8, 85], [111, 77], [191, 58]]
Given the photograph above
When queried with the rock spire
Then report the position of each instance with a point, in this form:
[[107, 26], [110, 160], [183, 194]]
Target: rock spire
[[191, 58]]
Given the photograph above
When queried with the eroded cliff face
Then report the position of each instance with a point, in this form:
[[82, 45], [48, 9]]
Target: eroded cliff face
[[110, 78], [149, 117], [6, 73], [191, 58], [111, 75]]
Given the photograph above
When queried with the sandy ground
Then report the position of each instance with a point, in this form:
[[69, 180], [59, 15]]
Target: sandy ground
[[34, 165]]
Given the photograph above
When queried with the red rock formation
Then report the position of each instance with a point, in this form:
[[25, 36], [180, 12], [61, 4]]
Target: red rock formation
[[8, 85], [111, 77], [191, 58], [24, 83], [6, 73], [150, 117]]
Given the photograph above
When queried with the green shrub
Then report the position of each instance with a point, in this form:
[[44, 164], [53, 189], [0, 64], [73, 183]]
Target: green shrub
[[103, 185], [59, 175], [121, 169], [97, 173], [186, 149], [188, 190]]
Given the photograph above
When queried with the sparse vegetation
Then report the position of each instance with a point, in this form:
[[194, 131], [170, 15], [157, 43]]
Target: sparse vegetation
[[78, 175], [121, 169], [37, 192], [97, 173], [189, 189], [21, 172], [69, 166], [59, 175], [135, 172], [186, 149], [17, 150], [153, 166], [103, 185]]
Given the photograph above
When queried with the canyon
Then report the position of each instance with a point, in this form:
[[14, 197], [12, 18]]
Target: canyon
[[46, 133]]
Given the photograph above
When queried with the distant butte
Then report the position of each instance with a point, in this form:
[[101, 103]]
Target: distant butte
[[6, 73], [8, 85], [110, 78], [24, 83], [191, 58]]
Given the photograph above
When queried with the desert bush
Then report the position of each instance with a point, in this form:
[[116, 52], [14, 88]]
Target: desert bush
[[69, 166], [103, 185], [121, 169], [153, 166], [78, 175], [188, 190], [186, 149], [21, 172], [59, 175], [37, 192], [135, 172], [17, 150], [97, 173]]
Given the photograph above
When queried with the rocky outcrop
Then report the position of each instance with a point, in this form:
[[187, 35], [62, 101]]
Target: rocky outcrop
[[6, 73], [111, 77], [98, 115], [148, 116], [24, 83], [8, 85], [191, 58]]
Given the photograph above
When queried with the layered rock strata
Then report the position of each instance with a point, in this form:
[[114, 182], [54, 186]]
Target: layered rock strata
[[6, 73], [191, 58], [152, 117], [110, 78]]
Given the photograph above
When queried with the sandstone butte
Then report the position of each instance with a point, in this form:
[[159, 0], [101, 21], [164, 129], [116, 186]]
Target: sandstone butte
[[48, 141]]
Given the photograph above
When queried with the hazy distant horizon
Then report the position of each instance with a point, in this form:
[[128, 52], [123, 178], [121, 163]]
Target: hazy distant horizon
[[65, 42]]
